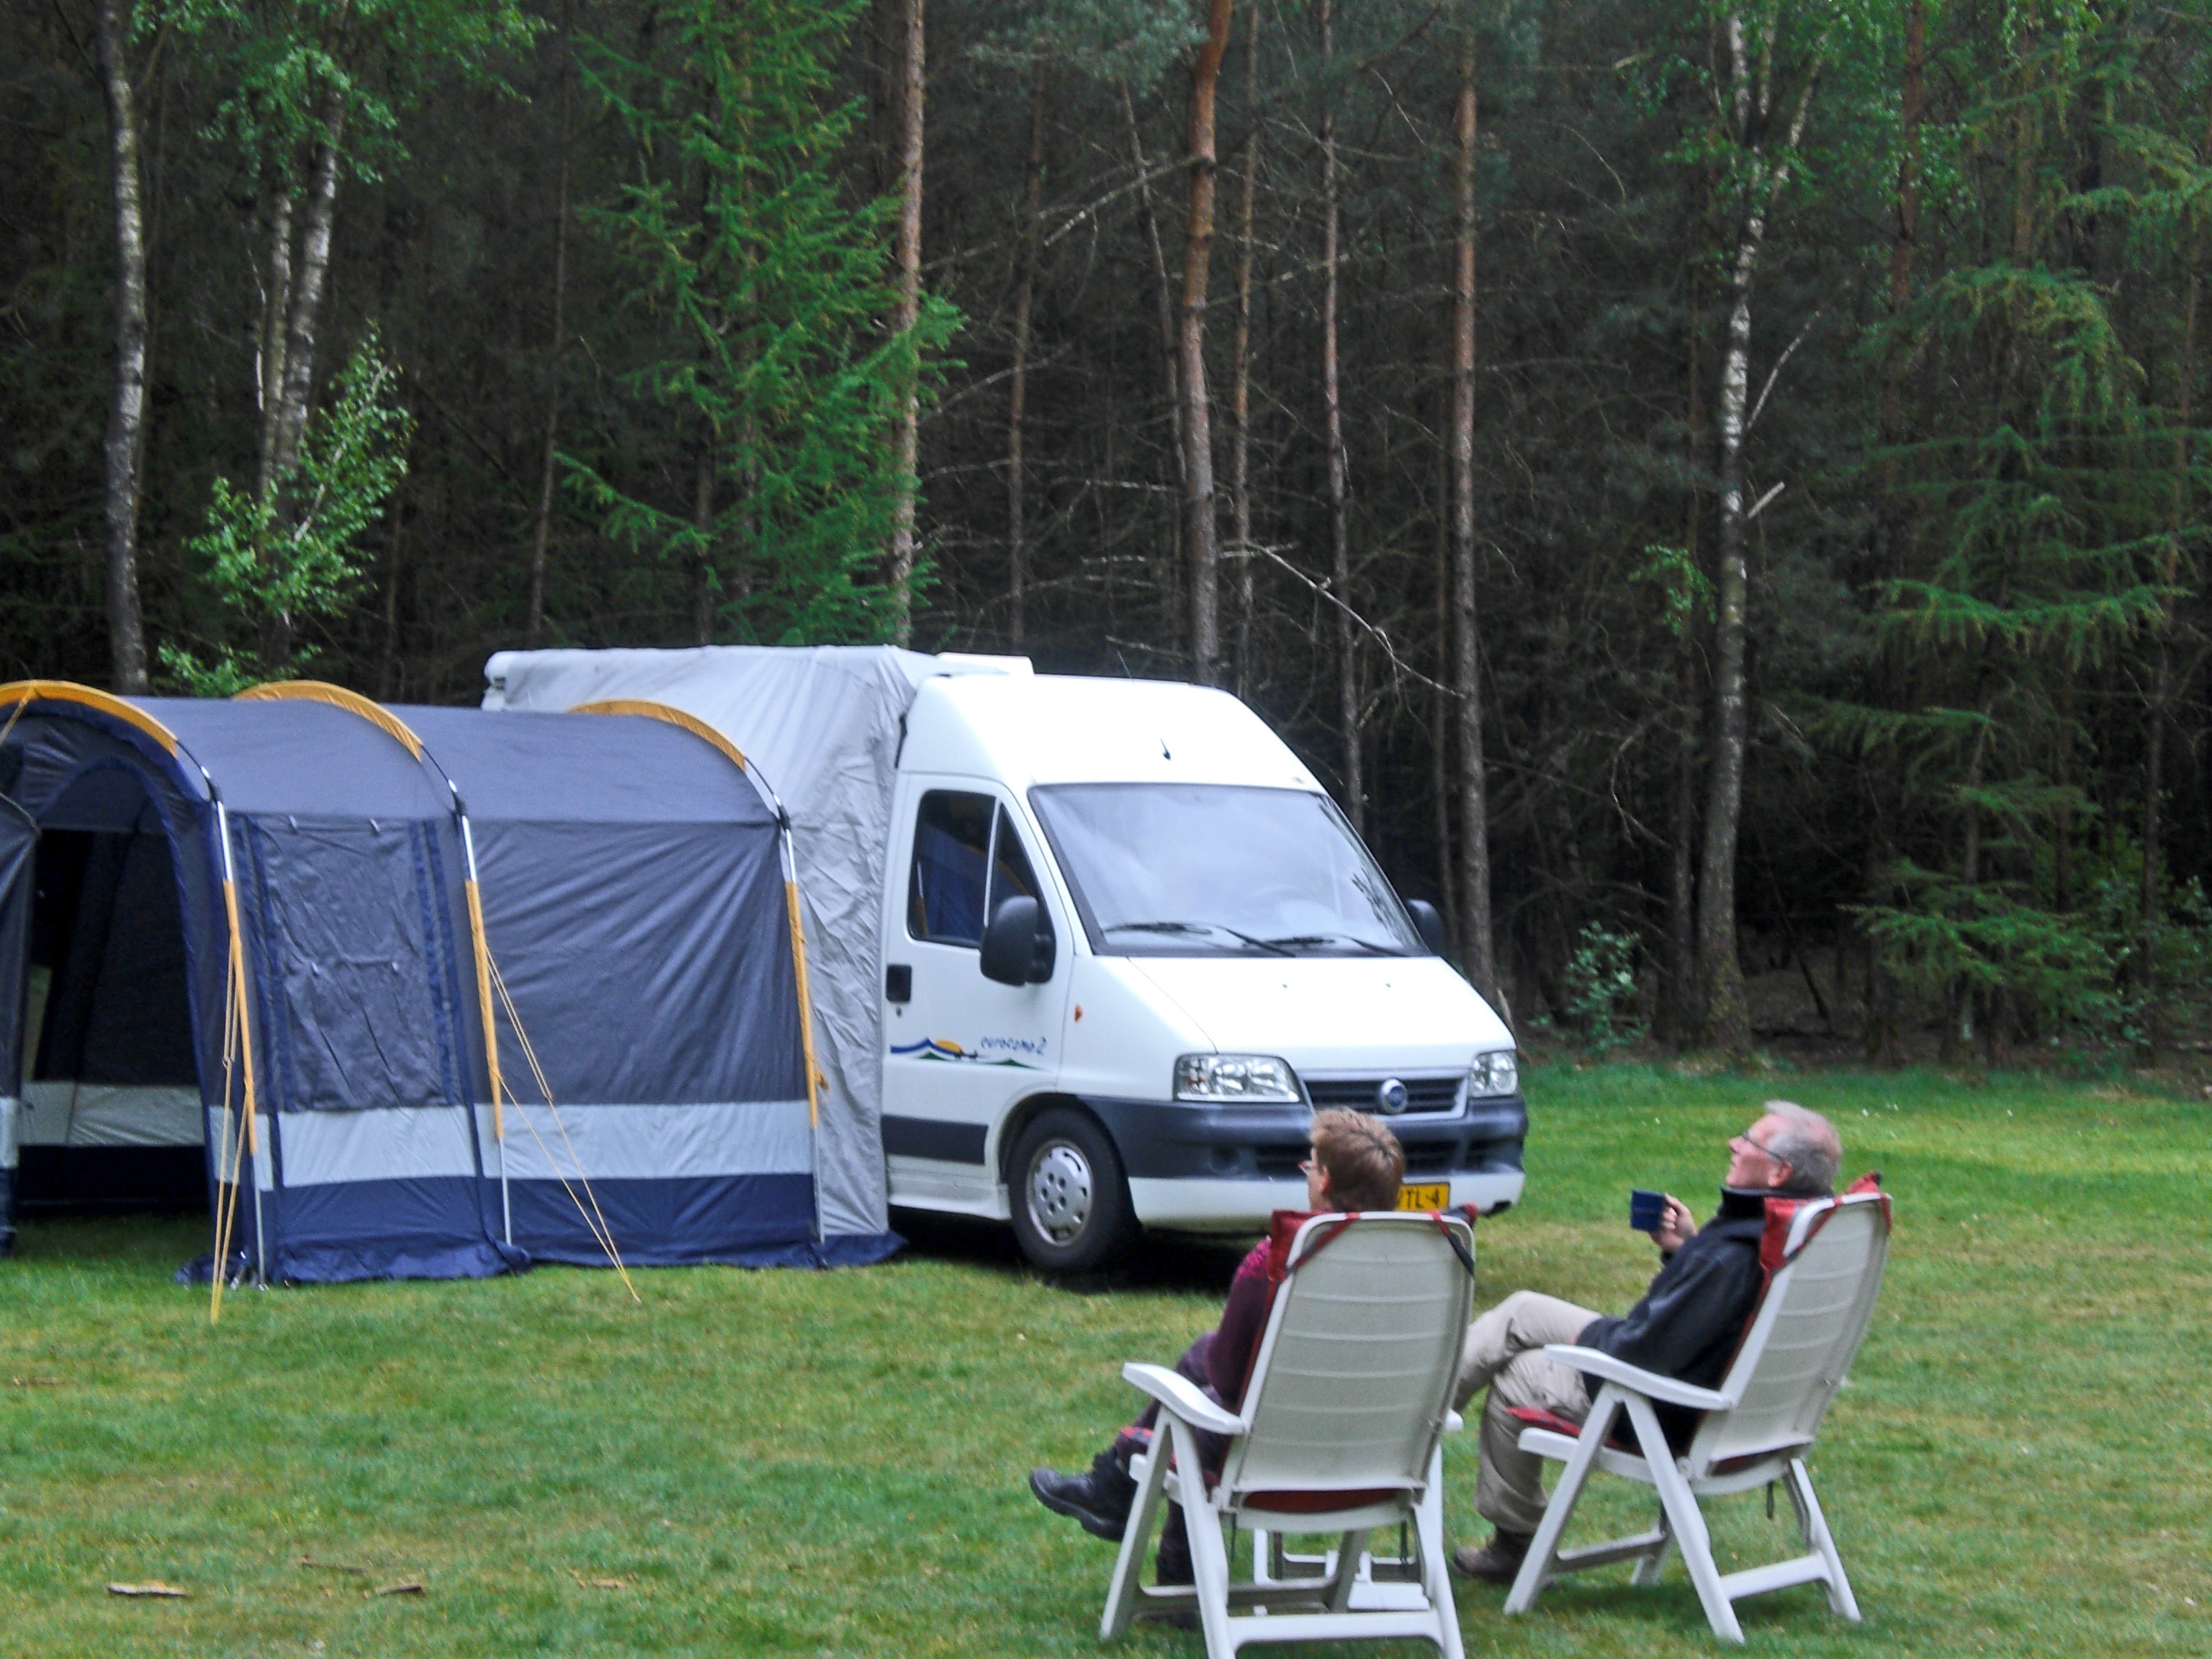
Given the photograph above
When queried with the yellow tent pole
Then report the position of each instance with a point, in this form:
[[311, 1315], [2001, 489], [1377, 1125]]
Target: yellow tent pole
[[238, 986], [806, 995], [19, 692], [483, 945], [668, 715], [338, 697]]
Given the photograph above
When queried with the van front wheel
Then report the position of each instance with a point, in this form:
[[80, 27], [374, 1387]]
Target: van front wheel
[[1069, 1198]]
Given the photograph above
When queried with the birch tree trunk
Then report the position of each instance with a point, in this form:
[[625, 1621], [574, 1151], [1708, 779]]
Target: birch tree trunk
[[1240, 392], [1726, 1014], [1201, 549], [906, 444], [269, 347], [1340, 531], [534, 622], [1017, 550], [308, 275], [1477, 946], [125, 445]]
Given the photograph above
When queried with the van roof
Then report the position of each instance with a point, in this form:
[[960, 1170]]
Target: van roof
[[1059, 728]]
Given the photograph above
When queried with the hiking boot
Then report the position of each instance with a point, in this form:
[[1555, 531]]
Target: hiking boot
[[1498, 1562], [1099, 1500]]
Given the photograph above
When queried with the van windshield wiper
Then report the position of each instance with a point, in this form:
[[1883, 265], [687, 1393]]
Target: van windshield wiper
[[1276, 945], [1293, 940]]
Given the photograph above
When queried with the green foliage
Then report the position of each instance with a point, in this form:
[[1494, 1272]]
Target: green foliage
[[1684, 589], [1600, 984], [2039, 515], [291, 552], [289, 65], [767, 293], [1131, 41]]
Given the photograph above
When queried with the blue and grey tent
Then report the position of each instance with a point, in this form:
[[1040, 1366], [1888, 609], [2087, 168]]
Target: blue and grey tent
[[256, 945]]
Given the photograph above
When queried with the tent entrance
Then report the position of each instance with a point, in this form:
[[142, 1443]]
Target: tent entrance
[[111, 1114]]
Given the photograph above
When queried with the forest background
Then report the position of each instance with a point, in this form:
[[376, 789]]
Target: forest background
[[1717, 488]]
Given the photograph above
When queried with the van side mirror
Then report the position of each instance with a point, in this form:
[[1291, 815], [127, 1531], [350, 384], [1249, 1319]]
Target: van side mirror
[[1017, 946], [1430, 925]]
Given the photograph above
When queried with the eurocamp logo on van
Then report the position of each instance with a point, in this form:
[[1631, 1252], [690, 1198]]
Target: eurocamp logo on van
[[991, 1051]]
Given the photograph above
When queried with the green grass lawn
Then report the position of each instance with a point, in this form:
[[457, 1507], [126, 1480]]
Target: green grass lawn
[[833, 1463]]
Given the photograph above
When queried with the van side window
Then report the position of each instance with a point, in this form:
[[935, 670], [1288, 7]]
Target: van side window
[[951, 863], [963, 870], [1011, 874]]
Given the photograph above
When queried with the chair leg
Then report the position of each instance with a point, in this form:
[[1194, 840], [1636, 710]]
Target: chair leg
[[1686, 1522], [1123, 1592], [1209, 1556], [1349, 1550], [1649, 1569], [1435, 1579], [1815, 1528], [1545, 1546]]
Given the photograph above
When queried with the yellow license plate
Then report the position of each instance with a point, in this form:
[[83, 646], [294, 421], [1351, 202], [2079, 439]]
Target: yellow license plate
[[1424, 1196]]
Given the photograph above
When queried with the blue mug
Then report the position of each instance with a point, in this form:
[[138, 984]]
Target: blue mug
[[1646, 1210]]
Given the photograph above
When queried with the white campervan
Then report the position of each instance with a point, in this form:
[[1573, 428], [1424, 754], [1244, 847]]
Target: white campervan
[[1123, 941]]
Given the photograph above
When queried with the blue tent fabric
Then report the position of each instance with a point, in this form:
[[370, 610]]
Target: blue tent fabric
[[19, 836], [633, 895]]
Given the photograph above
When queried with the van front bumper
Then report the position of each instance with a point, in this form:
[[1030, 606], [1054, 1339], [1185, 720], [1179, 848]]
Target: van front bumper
[[1231, 1167]]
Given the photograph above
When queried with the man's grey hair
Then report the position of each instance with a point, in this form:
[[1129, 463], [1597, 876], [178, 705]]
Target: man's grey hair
[[1810, 1145]]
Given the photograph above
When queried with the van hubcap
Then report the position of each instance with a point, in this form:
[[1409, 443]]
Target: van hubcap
[[1060, 1192]]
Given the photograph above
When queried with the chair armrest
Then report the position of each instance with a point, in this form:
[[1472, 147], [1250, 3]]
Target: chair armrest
[[1180, 1396], [1592, 1362]]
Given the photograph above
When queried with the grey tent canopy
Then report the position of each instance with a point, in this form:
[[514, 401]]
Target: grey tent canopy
[[826, 723], [634, 906]]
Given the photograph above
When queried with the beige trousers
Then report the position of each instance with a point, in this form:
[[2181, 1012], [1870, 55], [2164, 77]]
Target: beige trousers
[[1504, 1353]]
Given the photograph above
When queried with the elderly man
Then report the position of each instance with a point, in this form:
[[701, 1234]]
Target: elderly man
[[1687, 1327]]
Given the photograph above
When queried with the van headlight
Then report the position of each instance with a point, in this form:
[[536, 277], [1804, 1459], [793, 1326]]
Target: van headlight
[[1498, 1072], [1235, 1076]]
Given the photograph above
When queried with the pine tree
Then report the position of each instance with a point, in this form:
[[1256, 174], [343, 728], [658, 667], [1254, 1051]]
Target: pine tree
[[768, 294], [2042, 529]]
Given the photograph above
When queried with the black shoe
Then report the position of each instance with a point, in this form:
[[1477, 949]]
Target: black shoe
[[1498, 1562], [1098, 1500]]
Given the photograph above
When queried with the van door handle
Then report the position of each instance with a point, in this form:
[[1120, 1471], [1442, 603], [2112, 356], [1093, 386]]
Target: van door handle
[[898, 982]]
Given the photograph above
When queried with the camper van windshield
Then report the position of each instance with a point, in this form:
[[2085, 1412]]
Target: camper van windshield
[[1190, 869]]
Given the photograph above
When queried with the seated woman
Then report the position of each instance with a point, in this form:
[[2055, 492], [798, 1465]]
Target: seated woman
[[1357, 1164]]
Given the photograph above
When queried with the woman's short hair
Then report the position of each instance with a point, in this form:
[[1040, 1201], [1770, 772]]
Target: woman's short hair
[[1362, 1158]]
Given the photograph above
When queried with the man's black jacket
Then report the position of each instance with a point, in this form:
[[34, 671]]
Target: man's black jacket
[[1690, 1321]]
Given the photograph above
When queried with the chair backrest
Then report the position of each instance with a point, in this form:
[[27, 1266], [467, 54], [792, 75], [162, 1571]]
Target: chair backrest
[[1353, 1378], [1804, 1335]]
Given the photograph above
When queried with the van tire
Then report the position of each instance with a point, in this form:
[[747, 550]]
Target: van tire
[[1069, 1197]]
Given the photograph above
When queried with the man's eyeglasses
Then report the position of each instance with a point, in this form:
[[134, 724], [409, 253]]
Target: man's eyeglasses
[[1745, 1141]]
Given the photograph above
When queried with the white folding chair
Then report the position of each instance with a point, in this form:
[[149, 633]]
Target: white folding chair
[[1757, 1425], [1340, 1433]]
